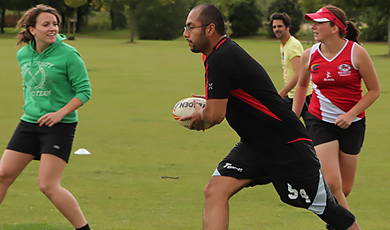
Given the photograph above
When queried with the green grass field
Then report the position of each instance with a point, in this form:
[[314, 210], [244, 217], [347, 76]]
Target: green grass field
[[129, 129]]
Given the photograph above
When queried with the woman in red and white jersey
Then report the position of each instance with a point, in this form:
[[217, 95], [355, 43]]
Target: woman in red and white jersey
[[337, 64]]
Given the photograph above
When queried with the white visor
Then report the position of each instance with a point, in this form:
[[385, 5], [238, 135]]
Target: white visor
[[321, 20]]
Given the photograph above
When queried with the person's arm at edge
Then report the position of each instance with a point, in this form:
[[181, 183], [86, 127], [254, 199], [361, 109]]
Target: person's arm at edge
[[295, 62], [303, 83], [366, 68]]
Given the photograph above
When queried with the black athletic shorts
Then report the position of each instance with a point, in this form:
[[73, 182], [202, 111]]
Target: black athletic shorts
[[291, 166], [350, 139], [294, 171], [305, 108], [33, 139]]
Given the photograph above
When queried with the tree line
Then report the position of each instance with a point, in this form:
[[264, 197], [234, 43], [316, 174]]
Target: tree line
[[164, 19]]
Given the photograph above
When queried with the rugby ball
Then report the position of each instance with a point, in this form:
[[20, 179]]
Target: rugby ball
[[186, 107]]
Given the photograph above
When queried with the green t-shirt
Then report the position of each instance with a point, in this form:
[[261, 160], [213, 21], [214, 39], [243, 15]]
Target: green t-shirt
[[51, 79]]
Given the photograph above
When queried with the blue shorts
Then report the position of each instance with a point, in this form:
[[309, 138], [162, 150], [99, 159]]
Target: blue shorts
[[350, 139], [33, 139]]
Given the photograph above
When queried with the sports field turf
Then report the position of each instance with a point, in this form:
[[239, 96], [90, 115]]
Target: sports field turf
[[134, 141]]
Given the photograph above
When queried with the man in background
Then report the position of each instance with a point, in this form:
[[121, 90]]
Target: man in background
[[291, 50]]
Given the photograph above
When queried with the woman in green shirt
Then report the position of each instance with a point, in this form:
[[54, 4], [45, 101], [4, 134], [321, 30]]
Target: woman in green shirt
[[55, 84]]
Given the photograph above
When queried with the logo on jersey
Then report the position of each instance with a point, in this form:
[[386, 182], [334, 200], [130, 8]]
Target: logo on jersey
[[314, 67], [35, 78], [328, 77], [344, 70], [210, 86]]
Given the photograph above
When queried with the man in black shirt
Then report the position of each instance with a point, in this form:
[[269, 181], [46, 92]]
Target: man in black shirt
[[274, 145]]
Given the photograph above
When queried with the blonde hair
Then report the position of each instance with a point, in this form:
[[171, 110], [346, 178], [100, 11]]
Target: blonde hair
[[29, 18]]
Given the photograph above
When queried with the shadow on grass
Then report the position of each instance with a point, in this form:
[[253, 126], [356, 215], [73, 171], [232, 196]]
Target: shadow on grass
[[34, 226]]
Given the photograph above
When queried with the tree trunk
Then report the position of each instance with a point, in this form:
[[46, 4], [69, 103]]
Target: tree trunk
[[112, 16], [388, 34], [132, 22], [2, 21]]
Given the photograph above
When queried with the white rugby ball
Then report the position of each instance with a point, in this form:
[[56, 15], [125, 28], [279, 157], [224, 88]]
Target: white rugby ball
[[186, 107]]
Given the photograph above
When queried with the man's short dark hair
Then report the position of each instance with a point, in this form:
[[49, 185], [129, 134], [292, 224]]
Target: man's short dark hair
[[281, 16], [211, 14]]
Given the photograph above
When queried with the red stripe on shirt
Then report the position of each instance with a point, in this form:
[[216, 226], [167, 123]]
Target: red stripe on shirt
[[245, 97], [206, 64], [299, 139], [207, 80]]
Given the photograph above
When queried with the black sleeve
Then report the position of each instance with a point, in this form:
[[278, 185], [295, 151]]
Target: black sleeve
[[219, 77]]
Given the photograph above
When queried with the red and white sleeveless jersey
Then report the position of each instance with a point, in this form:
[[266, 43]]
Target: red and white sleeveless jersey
[[337, 84]]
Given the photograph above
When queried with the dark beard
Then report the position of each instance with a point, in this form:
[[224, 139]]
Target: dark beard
[[195, 51]]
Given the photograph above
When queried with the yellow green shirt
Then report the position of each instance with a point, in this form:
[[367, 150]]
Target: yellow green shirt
[[292, 48]]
